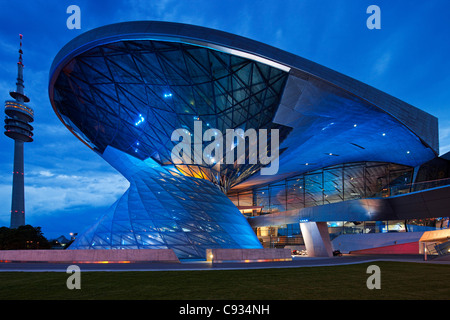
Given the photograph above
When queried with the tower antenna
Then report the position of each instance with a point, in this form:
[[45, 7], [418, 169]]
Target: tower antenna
[[18, 117]]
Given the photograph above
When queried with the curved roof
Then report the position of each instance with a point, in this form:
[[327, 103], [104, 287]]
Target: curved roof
[[103, 81]]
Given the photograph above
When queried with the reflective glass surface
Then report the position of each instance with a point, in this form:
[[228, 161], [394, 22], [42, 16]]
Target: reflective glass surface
[[331, 184], [132, 95], [163, 209]]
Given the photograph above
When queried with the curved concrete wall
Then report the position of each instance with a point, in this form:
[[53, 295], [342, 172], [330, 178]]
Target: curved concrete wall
[[365, 241]]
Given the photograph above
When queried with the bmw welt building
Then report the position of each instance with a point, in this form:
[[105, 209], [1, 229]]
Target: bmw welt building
[[314, 155]]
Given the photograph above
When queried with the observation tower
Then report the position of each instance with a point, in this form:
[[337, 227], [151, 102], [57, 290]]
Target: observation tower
[[17, 127]]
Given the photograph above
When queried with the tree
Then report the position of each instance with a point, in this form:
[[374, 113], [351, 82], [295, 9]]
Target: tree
[[23, 237]]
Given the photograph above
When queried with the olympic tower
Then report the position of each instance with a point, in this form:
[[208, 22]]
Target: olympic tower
[[17, 127]]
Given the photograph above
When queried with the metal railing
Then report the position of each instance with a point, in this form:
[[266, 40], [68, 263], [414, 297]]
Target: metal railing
[[412, 187]]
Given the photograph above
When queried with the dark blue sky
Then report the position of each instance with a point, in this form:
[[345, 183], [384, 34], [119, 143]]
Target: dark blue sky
[[68, 186]]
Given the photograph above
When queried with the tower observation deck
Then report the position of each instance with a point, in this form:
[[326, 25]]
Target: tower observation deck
[[17, 127]]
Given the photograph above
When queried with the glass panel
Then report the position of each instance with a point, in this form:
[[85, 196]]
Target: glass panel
[[354, 182], [313, 189], [333, 191], [132, 95], [376, 176], [263, 199], [400, 179], [277, 198], [246, 199], [296, 193]]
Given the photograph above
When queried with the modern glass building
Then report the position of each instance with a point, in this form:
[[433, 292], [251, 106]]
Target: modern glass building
[[124, 89]]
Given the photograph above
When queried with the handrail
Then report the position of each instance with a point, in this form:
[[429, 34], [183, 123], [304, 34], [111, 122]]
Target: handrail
[[412, 187]]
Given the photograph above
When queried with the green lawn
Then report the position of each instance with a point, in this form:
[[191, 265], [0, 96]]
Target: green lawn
[[398, 281]]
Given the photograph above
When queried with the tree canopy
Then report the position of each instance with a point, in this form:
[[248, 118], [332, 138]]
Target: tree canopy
[[23, 237]]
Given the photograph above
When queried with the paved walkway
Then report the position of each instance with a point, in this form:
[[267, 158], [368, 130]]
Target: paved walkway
[[297, 262]]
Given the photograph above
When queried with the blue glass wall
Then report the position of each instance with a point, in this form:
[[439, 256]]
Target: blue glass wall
[[328, 185], [165, 210]]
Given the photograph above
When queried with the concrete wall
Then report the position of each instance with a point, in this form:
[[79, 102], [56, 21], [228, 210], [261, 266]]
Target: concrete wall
[[317, 239], [89, 256], [365, 241], [404, 248], [248, 255]]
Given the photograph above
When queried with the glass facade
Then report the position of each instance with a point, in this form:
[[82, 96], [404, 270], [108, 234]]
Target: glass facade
[[132, 95], [126, 89], [328, 185], [163, 209]]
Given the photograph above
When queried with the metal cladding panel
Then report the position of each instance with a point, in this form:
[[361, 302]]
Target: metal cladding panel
[[332, 126]]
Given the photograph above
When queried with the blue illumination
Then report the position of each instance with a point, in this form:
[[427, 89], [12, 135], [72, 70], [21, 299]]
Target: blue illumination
[[162, 209], [141, 119], [201, 216]]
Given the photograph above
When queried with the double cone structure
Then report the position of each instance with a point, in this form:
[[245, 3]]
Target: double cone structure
[[163, 209]]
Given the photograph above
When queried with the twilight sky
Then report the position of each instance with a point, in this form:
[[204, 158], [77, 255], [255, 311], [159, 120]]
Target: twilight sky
[[67, 186]]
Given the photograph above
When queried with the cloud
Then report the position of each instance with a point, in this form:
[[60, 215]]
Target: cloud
[[49, 193], [144, 10], [46, 173], [8, 47], [382, 63], [65, 192]]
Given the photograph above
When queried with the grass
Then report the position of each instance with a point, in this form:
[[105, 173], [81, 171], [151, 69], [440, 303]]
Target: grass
[[399, 281]]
